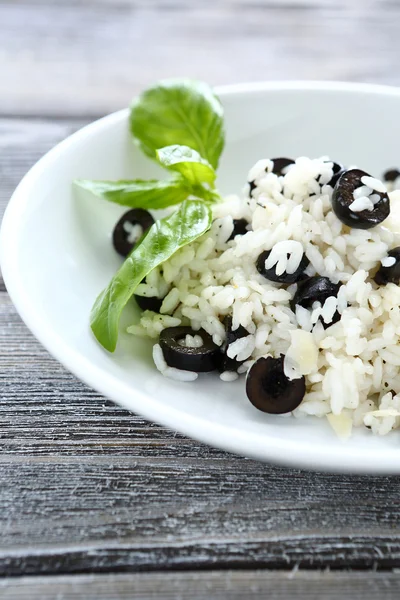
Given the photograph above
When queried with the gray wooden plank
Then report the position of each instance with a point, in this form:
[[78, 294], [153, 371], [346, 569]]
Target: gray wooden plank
[[85, 485], [44, 410], [22, 143], [89, 58], [88, 487], [218, 585]]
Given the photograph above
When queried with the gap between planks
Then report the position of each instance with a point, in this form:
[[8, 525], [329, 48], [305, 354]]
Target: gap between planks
[[340, 554]]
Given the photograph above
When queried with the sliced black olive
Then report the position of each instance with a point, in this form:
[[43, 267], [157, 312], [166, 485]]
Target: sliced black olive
[[391, 175], [152, 303], [338, 170], [316, 289], [284, 277], [122, 238], [390, 274], [239, 228], [233, 335], [200, 360], [149, 302], [342, 198], [226, 363], [280, 164], [269, 390], [252, 187]]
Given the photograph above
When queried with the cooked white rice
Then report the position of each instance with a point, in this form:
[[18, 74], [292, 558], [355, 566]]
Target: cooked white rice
[[170, 372], [134, 231], [351, 368]]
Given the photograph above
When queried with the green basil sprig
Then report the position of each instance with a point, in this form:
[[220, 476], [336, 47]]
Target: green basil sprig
[[179, 123], [179, 111], [186, 161], [164, 238], [139, 193]]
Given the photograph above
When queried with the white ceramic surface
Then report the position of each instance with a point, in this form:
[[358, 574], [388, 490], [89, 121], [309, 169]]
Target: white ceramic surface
[[56, 256]]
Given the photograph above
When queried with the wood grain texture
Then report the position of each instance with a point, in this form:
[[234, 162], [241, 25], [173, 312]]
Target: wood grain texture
[[89, 487], [89, 58], [45, 411], [219, 585]]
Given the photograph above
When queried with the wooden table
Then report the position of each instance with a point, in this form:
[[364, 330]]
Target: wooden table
[[94, 501]]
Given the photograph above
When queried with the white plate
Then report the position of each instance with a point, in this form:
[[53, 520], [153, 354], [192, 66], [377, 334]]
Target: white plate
[[56, 257]]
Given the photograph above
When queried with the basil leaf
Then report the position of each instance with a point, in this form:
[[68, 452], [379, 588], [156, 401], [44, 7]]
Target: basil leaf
[[139, 193], [186, 161], [179, 111], [199, 191], [163, 239]]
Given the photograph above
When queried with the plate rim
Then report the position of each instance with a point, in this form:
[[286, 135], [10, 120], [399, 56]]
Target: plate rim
[[298, 454]]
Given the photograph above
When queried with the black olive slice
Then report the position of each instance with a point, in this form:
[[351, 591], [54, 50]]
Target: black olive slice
[[199, 360], [239, 228], [390, 274], [152, 303], [124, 236], [226, 363], [252, 187], [343, 198], [269, 390], [335, 319], [284, 277], [280, 164], [338, 170], [316, 289], [149, 302], [391, 175]]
